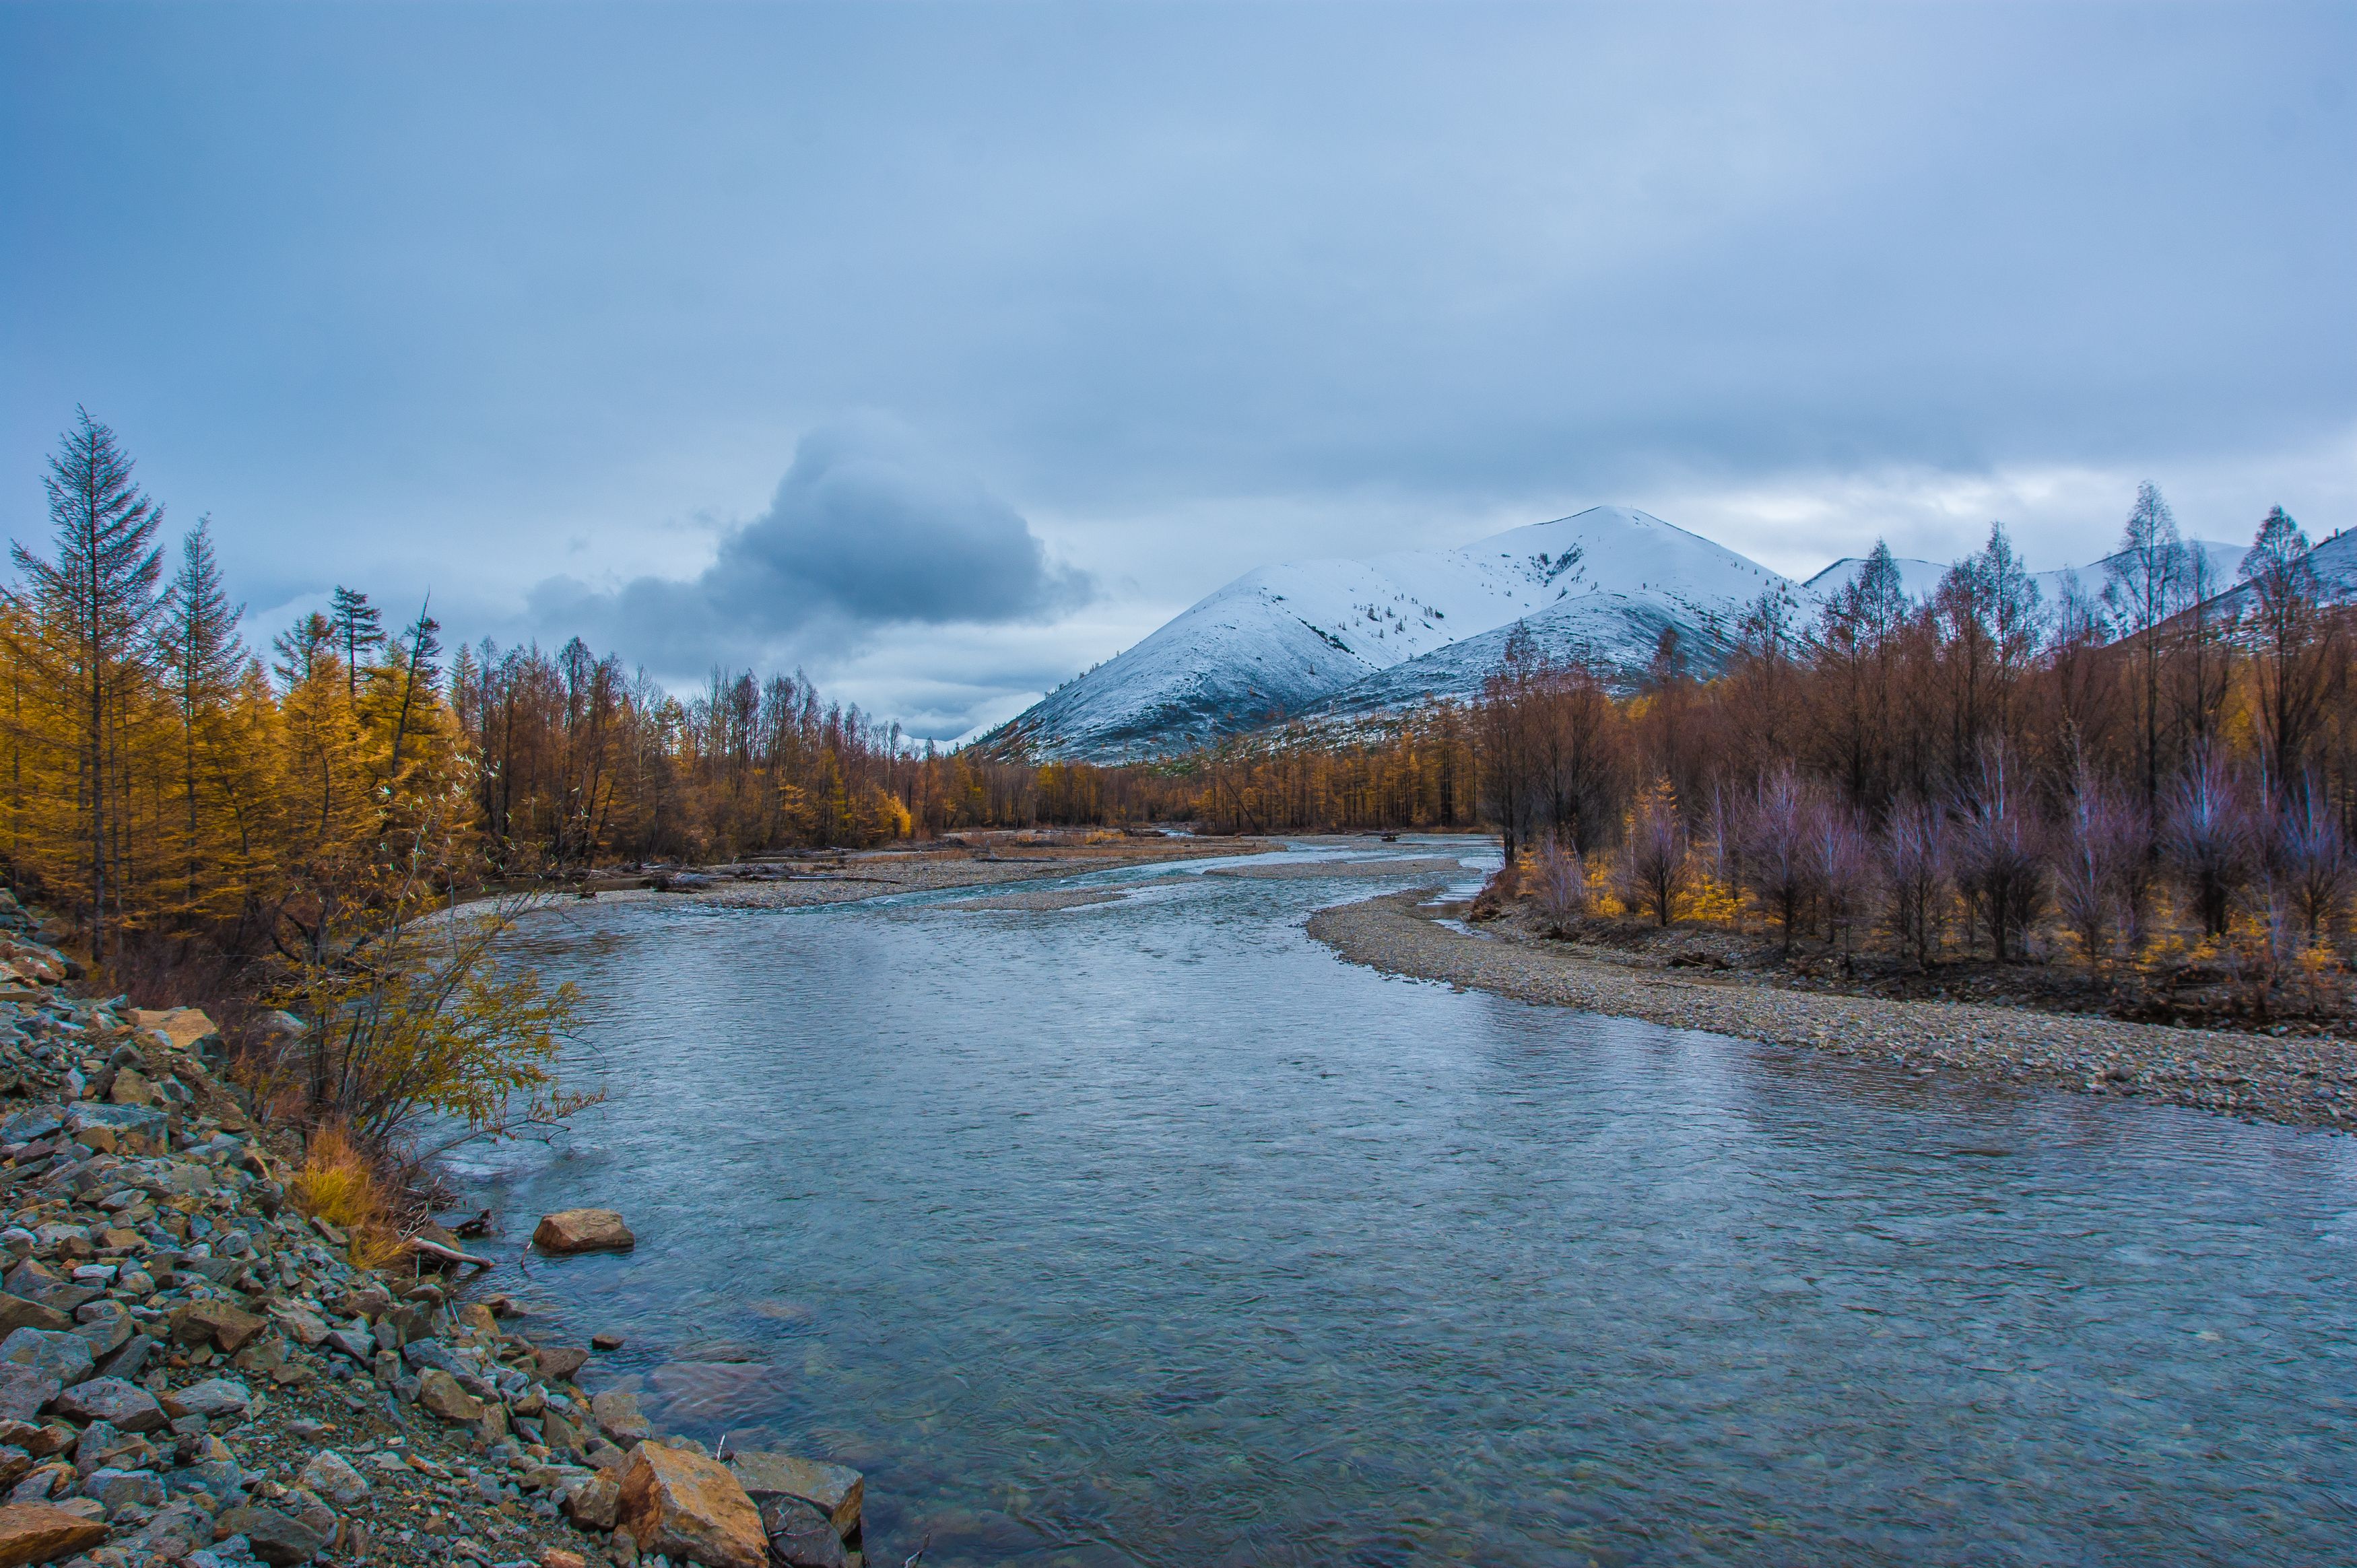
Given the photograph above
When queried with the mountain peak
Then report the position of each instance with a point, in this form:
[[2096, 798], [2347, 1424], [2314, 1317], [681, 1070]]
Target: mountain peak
[[1282, 639]]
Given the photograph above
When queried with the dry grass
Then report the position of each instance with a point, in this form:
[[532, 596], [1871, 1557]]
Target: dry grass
[[338, 1184]]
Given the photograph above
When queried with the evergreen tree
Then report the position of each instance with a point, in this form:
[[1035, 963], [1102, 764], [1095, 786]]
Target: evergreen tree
[[359, 628]]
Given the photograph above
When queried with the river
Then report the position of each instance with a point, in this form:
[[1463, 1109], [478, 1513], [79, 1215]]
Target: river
[[1148, 1232]]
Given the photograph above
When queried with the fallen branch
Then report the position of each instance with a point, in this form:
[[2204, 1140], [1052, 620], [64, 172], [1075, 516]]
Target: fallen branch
[[451, 1254]]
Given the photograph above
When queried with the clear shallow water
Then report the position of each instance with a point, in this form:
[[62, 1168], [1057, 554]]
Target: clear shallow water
[[1150, 1233]]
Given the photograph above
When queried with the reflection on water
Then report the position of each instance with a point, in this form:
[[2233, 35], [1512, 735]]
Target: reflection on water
[[1147, 1232]]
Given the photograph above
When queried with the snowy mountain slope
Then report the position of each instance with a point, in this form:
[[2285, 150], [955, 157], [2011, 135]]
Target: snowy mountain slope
[[1921, 577], [1618, 633], [2335, 562], [1281, 640]]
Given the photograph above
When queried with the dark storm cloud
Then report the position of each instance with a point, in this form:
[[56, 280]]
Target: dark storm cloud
[[865, 531]]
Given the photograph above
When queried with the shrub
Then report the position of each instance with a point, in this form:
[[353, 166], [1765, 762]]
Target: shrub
[[1838, 868], [2000, 855], [1562, 884], [1655, 870], [2310, 855], [1915, 878], [415, 1036], [2208, 841], [2099, 844]]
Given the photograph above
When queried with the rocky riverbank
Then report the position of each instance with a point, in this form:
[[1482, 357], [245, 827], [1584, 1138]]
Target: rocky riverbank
[[2303, 1080], [191, 1372]]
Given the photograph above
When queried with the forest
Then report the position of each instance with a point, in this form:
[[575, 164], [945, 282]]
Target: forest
[[2164, 744]]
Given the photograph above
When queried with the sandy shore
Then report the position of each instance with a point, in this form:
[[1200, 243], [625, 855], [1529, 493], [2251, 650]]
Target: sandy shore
[[2304, 1081]]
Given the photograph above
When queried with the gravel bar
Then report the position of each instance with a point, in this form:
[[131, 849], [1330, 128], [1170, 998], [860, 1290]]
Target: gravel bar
[[2304, 1081]]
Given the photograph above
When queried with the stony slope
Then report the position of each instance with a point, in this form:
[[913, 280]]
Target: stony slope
[[192, 1373]]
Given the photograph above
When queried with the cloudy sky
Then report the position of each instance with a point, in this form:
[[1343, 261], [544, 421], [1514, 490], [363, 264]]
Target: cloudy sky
[[946, 351]]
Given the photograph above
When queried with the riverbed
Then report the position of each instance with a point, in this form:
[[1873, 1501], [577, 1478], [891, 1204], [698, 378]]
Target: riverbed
[[1135, 1228]]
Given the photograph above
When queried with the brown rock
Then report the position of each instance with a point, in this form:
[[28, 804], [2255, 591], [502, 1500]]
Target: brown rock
[[562, 1433], [132, 1088], [279, 1539], [184, 1026], [595, 1502], [477, 1317], [439, 1391], [36, 1532], [835, 1490], [557, 1557], [683, 1504], [583, 1230], [226, 1326], [17, 1312], [605, 1341], [559, 1360]]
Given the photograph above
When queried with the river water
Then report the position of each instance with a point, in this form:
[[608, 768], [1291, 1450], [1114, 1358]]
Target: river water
[[1148, 1232]]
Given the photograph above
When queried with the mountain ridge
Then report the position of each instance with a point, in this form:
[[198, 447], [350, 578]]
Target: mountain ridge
[[1340, 639]]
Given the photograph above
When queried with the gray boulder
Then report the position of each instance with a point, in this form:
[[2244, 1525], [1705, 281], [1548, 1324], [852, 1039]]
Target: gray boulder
[[799, 1536], [126, 1406], [213, 1398], [115, 1487], [63, 1356]]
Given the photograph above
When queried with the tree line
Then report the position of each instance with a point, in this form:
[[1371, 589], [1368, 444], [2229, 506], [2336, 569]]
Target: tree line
[[2151, 766], [2072, 761]]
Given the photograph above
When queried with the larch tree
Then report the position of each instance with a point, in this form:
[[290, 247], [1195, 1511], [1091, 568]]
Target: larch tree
[[95, 604], [202, 657], [360, 630]]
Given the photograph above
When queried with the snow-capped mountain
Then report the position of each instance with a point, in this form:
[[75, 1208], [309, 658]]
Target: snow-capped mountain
[[1344, 639], [1284, 639]]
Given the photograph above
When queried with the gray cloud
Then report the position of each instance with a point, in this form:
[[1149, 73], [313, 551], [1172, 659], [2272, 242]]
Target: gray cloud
[[866, 530], [1199, 289]]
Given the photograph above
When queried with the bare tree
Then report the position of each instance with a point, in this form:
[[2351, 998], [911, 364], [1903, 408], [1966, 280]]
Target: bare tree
[[1505, 717], [1916, 877], [1838, 868], [2145, 586], [1654, 866], [2292, 639], [1775, 848], [2094, 850]]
